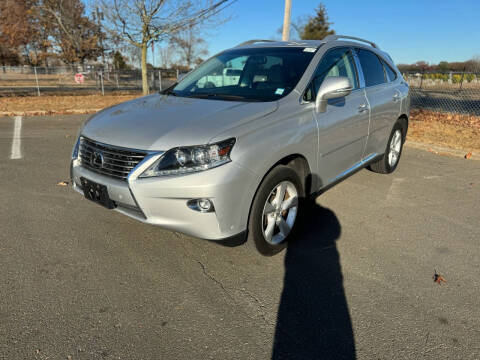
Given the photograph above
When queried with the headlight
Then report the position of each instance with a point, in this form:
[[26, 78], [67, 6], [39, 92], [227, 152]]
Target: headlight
[[185, 160], [75, 149]]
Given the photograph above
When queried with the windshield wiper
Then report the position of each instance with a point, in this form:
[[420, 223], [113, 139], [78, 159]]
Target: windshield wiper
[[169, 90], [222, 97]]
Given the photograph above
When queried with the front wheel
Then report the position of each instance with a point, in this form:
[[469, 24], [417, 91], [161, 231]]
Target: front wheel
[[275, 211], [389, 161]]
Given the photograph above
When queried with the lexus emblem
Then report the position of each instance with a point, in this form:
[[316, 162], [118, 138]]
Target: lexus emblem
[[96, 159]]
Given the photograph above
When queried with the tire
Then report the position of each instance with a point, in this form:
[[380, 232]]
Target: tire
[[385, 165], [270, 228]]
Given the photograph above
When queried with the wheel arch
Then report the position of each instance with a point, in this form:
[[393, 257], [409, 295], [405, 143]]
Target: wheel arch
[[295, 161], [403, 120]]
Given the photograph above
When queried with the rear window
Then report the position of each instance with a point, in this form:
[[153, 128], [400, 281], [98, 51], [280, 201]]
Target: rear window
[[372, 67]]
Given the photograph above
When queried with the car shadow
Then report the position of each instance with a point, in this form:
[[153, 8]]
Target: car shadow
[[313, 320]]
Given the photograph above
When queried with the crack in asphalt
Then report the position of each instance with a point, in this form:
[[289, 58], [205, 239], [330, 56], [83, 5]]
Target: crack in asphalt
[[219, 283], [243, 291]]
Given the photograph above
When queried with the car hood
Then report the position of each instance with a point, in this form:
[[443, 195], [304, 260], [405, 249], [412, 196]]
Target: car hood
[[160, 122]]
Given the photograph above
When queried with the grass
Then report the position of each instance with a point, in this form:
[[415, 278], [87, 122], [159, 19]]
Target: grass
[[59, 104], [456, 131]]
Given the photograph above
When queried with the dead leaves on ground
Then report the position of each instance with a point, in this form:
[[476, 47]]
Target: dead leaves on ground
[[439, 279], [464, 120], [63, 183]]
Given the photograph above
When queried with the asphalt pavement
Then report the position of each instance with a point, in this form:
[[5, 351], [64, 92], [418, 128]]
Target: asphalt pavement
[[78, 281]]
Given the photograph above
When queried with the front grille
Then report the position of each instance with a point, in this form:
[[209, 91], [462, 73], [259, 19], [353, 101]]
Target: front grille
[[108, 160]]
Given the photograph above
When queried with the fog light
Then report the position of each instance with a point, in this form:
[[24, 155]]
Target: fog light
[[202, 205]]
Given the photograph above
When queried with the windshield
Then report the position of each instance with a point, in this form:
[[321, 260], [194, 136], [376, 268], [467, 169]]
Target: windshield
[[264, 74]]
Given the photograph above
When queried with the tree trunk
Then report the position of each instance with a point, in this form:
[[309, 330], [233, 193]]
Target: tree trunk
[[144, 69]]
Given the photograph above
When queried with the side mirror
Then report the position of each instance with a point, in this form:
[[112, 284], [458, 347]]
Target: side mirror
[[332, 87]]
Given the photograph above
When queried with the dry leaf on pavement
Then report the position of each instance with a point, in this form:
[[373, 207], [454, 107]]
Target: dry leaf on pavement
[[439, 279], [63, 183]]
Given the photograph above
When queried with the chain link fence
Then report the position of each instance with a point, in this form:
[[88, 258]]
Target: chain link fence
[[26, 80], [454, 92]]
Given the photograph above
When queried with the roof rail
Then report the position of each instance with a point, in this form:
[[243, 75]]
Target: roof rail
[[336, 37], [249, 42]]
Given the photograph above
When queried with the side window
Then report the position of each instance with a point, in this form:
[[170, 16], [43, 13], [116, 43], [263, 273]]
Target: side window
[[391, 74], [336, 62], [372, 67]]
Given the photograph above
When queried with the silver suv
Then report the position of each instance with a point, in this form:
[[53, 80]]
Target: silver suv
[[236, 146]]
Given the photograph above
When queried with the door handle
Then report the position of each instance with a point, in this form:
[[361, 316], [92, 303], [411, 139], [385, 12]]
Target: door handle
[[362, 108]]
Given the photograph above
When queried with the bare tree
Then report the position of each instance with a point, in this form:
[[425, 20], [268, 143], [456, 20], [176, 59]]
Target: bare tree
[[141, 22], [296, 28], [190, 44], [134, 54], [166, 54]]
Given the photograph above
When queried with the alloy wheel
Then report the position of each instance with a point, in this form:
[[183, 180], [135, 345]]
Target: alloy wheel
[[280, 212], [395, 147]]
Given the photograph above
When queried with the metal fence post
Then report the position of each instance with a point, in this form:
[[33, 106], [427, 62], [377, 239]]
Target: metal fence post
[[101, 81], [463, 75], [160, 80], [36, 79], [116, 78], [177, 74], [421, 78]]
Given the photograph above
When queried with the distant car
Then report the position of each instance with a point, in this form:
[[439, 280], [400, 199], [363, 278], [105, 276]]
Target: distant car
[[237, 145]]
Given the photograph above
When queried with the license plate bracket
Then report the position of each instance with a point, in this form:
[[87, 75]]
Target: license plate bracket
[[97, 193]]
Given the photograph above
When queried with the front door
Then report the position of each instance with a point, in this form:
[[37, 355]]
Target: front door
[[343, 127]]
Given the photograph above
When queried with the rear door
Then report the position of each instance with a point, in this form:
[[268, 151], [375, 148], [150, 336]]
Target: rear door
[[383, 98], [343, 127]]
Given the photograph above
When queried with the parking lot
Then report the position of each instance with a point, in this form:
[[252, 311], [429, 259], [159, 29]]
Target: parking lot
[[82, 282]]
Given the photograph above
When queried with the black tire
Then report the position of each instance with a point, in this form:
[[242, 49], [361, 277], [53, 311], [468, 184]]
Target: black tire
[[255, 237], [382, 166]]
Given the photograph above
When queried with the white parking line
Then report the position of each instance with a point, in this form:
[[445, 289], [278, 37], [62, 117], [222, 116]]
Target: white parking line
[[16, 143]]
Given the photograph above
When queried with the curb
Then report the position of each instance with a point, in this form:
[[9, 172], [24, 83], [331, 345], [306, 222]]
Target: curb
[[441, 150]]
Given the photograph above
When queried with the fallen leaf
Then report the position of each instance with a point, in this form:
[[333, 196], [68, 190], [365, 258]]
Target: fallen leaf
[[439, 279], [469, 155], [63, 183]]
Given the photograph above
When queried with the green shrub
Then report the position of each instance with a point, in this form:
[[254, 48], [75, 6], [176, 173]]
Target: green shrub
[[456, 78], [469, 77]]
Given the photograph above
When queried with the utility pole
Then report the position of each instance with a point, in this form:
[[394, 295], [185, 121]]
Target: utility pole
[[286, 21], [99, 19]]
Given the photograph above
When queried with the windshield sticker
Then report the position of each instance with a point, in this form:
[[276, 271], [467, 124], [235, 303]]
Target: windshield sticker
[[309, 49], [279, 91]]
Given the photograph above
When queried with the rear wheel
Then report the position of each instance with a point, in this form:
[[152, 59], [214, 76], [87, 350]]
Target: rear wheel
[[389, 161], [275, 211]]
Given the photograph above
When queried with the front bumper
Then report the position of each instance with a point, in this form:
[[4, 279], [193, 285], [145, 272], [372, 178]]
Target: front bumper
[[162, 201]]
